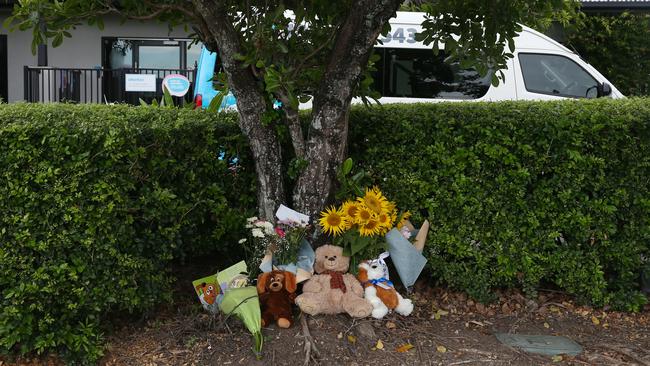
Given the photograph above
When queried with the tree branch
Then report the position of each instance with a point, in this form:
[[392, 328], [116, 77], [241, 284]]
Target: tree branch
[[327, 136], [251, 104], [312, 54]]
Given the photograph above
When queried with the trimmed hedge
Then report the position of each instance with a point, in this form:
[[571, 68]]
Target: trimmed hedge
[[521, 194], [96, 201]]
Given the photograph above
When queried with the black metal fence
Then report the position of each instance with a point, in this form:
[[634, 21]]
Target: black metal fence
[[46, 84]]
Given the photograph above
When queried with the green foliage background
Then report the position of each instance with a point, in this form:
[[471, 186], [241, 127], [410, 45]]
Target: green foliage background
[[521, 194], [95, 202], [619, 47], [98, 200]]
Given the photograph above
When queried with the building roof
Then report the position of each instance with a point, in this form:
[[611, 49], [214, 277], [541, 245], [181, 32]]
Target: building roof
[[615, 5]]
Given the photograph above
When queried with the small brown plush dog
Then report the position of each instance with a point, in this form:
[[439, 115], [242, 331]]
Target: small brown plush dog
[[277, 292]]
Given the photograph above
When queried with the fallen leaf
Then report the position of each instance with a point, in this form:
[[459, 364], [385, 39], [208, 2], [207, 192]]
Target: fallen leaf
[[352, 339], [480, 308], [554, 309], [391, 325], [546, 325], [404, 348], [605, 325], [340, 335], [380, 344], [595, 320], [439, 313], [556, 358], [441, 349]]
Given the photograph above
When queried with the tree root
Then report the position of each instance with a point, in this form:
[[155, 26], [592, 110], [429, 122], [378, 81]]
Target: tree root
[[310, 344]]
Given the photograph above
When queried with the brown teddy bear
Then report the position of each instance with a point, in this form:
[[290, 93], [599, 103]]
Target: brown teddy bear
[[276, 290], [332, 290]]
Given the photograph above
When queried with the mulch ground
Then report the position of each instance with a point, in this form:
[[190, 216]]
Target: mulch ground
[[446, 328]]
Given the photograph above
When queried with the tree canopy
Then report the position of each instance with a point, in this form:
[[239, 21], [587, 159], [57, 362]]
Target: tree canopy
[[300, 50]]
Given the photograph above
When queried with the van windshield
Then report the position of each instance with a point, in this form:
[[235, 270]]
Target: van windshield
[[417, 73]]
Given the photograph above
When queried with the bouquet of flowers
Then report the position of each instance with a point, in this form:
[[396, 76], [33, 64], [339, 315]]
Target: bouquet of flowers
[[369, 225], [360, 225], [228, 291], [283, 245]]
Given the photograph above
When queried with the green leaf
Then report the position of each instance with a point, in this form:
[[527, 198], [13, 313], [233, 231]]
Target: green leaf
[[7, 22], [58, 39], [346, 168], [215, 103], [167, 97]]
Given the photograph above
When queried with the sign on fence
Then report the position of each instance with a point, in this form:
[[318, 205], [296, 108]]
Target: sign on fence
[[140, 82], [177, 84]]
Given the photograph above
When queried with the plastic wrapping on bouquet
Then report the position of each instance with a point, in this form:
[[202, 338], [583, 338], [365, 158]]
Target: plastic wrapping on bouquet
[[303, 268], [408, 261]]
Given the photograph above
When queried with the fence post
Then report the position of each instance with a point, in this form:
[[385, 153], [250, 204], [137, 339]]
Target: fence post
[[25, 82]]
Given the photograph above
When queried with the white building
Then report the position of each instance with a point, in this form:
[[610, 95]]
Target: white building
[[90, 66]]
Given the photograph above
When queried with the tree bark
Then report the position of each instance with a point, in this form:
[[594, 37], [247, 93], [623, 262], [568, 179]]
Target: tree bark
[[251, 106], [327, 136]]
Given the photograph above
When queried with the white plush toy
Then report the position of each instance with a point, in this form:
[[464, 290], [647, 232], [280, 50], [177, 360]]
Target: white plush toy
[[379, 290]]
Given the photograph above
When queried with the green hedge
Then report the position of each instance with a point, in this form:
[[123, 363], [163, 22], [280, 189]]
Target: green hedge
[[95, 202], [521, 194]]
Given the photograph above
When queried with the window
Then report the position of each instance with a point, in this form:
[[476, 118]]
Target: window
[[193, 53], [417, 73], [159, 57], [556, 75], [130, 53]]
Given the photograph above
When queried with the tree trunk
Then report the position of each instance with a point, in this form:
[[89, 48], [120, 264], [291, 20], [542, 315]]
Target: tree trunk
[[251, 106], [327, 137]]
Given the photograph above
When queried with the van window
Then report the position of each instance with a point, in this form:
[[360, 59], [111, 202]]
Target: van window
[[417, 73], [556, 75]]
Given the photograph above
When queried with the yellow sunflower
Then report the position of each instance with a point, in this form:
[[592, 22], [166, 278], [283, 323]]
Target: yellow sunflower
[[333, 221], [350, 210], [364, 214], [405, 216], [385, 222], [370, 228], [374, 200]]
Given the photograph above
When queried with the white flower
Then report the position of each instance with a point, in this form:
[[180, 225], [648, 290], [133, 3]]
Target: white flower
[[257, 233], [268, 228], [242, 241], [250, 221]]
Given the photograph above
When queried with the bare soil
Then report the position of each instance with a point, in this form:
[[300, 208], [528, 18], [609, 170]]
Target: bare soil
[[446, 328]]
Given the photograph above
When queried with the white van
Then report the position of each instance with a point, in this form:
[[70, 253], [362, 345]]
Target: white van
[[409, 72], [542, 69]]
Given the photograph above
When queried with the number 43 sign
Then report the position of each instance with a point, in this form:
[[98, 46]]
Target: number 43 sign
[[400, 35]]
